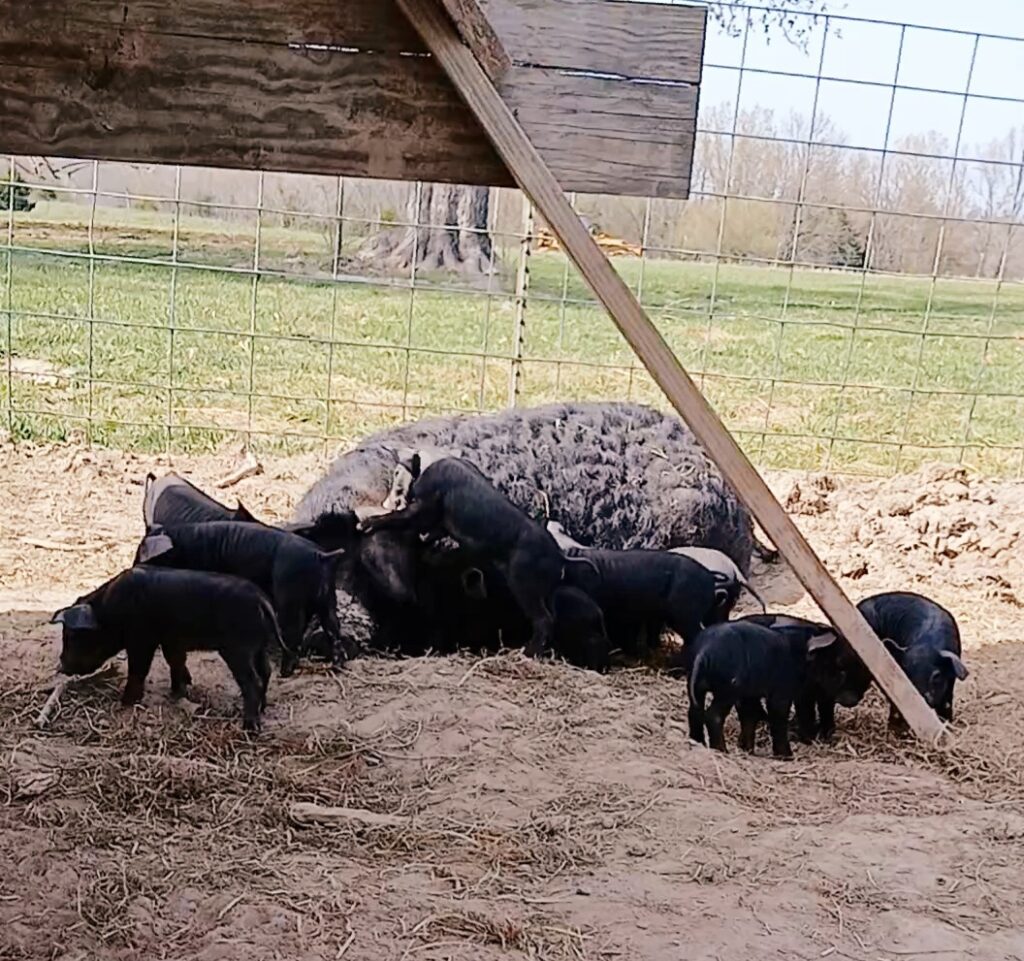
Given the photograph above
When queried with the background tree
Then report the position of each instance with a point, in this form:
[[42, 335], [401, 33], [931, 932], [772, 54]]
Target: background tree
[[446, 225], [446, 228], [15, 195], [795, 20]]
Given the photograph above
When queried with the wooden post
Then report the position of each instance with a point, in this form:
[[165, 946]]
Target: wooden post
[[540, 185], [472, 25]]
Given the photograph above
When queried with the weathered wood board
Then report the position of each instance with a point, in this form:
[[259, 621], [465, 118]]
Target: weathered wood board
[[346, 87]]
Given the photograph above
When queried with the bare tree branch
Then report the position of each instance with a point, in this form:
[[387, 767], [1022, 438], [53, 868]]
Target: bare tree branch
[[795, 20]]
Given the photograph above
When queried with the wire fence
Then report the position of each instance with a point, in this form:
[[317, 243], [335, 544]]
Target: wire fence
[[846, 281]]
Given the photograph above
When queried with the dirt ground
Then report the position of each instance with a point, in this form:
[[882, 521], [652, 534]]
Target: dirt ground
[[502, 808]]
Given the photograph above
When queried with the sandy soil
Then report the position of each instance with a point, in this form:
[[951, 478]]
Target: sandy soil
[[529, 810]]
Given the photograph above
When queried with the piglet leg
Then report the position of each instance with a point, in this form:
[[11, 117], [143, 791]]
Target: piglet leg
[[715, 717], [778, 724], [180, 676], [140, 660], [242, 664]]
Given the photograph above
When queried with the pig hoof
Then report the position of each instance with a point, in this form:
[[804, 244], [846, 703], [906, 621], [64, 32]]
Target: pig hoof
[[340, 660]]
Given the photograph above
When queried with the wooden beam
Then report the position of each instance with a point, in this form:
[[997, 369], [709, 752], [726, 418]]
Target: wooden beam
[[537, 181], [652, 40], [639, 137], [236, 84], [618, 37], [476, 31]]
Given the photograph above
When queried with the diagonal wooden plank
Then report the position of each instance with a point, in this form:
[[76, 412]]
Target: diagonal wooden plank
[[537, 181], [476, 30]]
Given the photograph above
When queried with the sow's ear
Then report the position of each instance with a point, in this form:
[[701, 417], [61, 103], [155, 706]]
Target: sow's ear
[[328, 531], [411, 459], [242, 513], [79, 617], [153, 545], [955, 665], [818, 642]]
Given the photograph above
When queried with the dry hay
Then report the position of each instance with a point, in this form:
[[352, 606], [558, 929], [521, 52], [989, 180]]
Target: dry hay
[[534, 935]]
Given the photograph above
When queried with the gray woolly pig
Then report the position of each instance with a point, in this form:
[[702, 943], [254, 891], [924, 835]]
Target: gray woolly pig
[[628, 475]]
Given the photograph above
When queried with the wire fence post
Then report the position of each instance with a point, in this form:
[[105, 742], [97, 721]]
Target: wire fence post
[[172, 308], [9, 298], [251, 387], [339, 211], [522, 291], [91, 304]]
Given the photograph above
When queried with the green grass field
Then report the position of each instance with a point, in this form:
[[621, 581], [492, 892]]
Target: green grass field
[[189, 357]]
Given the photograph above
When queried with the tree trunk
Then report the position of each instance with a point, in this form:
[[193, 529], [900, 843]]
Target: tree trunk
[[448, 231]]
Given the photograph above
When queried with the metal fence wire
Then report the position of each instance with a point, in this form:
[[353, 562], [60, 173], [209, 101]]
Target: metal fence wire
[[845, 281]]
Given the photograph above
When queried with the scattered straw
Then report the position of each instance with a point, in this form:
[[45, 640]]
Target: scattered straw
[[60, 683]]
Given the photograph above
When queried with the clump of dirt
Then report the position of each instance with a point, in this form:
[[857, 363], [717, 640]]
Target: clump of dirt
[[939, 526], [479, 809]]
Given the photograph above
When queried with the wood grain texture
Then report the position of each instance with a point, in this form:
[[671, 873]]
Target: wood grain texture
[[236, 84], [477, 33], [647, 40], [514, 145], [356, 24], [638, 136], [605, 36], [134, 96]]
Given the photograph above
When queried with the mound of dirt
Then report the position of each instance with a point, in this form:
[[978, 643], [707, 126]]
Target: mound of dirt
[[940, 524]]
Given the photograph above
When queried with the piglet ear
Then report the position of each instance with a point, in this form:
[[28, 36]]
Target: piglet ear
[[153, 545], [415, 465], [956, 665], [818, 642], [242, 513], [79, 617]]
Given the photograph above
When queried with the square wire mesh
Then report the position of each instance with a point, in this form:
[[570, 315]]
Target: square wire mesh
[[848, 299]]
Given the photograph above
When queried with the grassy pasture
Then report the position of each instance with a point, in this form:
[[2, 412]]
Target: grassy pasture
[[138, 348]]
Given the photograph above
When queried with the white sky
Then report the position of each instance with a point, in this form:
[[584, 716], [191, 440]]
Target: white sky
[[931, 59]]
